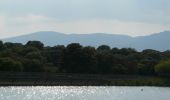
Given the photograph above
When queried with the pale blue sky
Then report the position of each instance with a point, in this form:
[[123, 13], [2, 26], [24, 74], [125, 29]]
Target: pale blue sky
[[130, 17]]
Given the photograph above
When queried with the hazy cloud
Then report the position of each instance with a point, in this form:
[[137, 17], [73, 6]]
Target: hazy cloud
[[132, 17]]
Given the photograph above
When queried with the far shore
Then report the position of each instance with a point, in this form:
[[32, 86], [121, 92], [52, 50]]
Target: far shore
[[53, 79]]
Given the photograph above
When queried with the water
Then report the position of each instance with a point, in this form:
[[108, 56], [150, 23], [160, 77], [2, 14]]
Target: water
[[84, 93]]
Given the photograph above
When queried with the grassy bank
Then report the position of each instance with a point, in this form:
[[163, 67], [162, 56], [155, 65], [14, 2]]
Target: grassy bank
[[151, 81], [46, 79]]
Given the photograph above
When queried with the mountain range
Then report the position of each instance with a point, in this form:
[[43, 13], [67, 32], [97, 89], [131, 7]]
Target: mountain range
[[158, 41]]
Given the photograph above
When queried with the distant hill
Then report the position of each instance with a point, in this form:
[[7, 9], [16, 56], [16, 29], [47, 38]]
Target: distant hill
[[159, 41]]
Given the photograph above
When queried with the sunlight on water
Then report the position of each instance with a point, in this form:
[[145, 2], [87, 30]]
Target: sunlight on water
[[84, 93]]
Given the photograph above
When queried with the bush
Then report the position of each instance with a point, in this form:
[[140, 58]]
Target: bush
[[163, 68]]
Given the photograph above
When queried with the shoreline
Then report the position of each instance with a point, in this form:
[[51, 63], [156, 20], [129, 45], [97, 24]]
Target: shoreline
[[49, 79]]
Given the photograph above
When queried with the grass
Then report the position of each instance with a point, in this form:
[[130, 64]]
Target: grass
[[150, 81]]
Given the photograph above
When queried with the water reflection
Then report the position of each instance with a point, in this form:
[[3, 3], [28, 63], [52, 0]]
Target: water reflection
[[84, 93]]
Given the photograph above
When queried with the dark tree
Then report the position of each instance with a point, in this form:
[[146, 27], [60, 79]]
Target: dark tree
[[104, 62], [1, 46], [8, 64], [33, 65], [103, 48], [73, 58], [36, 44], [89, 58], [55, 55]]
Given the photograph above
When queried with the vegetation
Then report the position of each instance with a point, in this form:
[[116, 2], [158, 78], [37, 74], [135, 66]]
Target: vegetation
[[163, 68], [74, 58]]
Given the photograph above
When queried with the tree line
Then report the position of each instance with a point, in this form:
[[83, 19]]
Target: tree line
[[75, 58]]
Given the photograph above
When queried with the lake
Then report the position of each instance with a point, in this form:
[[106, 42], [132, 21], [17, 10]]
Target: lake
[[84, 93]]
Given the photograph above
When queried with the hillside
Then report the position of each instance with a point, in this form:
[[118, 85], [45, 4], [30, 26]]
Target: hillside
[[157, 41]]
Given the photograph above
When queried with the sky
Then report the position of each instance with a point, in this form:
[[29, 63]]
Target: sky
[[128, 17]]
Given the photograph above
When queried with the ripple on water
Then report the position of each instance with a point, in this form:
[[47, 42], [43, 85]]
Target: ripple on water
[[84, 93]]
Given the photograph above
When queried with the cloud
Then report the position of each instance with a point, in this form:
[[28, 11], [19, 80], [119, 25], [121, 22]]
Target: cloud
[[153, 11], [107, 26], [13, 26], [1, 22], [18, 25]]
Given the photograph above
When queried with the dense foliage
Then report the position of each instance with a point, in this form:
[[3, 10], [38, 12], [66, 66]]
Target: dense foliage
[[163, 68], [74, 58]]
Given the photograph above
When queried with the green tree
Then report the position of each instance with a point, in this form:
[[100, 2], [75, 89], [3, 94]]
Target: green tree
[[73, 58], [36, 44], [115, 51], [89, 60], [27, 50], [127, 51], [165, 55], [163, 68], [119, 69], [33, 65], [55, 55], [103, 48], [8, 64], [1, 46], [34, 55], [104, 63], [142, 69], [151, 54]]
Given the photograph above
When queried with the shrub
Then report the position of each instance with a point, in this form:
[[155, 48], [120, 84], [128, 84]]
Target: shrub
[[163, 68]]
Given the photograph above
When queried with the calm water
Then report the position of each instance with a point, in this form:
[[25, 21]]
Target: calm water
[[84, 93]]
